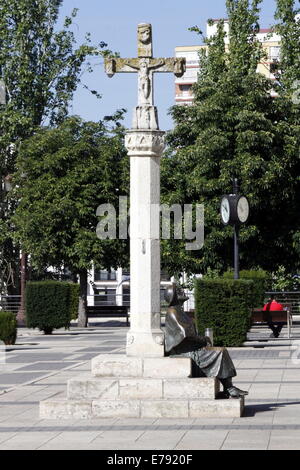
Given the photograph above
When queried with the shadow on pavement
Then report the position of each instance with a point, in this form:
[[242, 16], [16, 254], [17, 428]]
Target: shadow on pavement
[[251, 410]]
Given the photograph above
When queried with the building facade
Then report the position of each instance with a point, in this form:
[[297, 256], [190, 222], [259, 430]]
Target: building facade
[[184, 85]]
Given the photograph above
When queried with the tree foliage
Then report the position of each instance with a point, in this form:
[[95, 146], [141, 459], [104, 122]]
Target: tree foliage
[[41, 66], [64, 174], [235, 128], [288, 27]]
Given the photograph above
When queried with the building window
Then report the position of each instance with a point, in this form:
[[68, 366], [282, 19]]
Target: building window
[[126, 296], [104, 275], [185, 90], [275, 53], [125, 275], [274, 68]]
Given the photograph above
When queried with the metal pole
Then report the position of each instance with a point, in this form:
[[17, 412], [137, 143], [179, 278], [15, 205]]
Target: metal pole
[[235, 186], [21, 312], [236, 252]]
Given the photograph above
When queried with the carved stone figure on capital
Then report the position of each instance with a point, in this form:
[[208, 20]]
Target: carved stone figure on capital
[[143, 142], [145, 117], [144, 40]]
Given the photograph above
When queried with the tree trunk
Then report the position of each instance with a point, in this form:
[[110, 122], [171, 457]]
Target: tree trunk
[[12, 254], [82, 308], [23, 271]]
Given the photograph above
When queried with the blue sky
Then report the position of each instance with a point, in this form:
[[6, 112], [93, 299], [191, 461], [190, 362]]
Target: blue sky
[[115, 22]]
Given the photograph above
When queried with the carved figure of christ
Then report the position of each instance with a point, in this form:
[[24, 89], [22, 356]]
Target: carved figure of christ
[[145, 78], [145, 65]]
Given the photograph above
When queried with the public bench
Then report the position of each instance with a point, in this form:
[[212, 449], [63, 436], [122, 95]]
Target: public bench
[[108, 311], [273, 317]]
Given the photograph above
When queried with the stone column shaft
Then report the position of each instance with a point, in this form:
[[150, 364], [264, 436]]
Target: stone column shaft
[[145, 338]]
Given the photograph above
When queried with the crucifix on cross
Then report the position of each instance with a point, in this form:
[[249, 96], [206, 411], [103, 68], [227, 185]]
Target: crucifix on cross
[[145, 65]]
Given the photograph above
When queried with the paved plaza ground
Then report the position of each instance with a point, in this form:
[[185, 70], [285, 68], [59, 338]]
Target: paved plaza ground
[[38, 367]]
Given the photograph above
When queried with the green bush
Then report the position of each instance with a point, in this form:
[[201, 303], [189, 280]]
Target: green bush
[[225, 306], [262, 283], [282, 280], [49, 305], [8, 327]]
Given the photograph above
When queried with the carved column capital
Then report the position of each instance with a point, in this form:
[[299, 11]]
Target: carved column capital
[[145, 143]]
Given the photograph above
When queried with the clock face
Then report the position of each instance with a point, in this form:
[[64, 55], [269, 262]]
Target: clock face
[[225, 210], [243, 209]]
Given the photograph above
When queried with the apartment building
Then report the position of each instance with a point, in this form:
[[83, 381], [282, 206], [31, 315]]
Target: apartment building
[[183, 85]]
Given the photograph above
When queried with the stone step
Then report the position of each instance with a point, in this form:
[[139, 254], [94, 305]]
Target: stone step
[[118, 365], [92, 388], [59, 407]]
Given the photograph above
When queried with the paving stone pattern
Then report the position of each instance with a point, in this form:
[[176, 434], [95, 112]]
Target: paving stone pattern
[[38, 367]]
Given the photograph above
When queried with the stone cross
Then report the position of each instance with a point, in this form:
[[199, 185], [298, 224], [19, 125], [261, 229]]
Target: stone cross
[[145, 144], [145, 116]]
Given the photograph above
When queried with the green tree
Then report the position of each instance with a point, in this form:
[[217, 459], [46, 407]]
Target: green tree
[[288, 27], [69, 171], [235, 128], [41, 67]]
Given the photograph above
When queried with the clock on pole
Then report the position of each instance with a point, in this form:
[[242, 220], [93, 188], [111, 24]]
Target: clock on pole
[[234, 210], [242, 209]]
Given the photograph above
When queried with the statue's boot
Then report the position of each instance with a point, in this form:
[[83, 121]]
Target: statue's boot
[[230, 391], [235, 392]]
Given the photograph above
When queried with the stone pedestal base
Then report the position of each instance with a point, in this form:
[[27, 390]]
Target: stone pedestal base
[[150, 344], [131, 387]]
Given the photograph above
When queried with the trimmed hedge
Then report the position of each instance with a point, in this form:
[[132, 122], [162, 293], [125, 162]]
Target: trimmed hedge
[[262, 282], [8, 327], [50, 304], [224, 305]]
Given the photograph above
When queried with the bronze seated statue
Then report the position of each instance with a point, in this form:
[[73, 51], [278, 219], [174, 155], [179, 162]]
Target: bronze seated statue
[[181, 339]]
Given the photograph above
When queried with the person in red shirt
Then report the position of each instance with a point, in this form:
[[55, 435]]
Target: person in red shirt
[[270, 306]]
